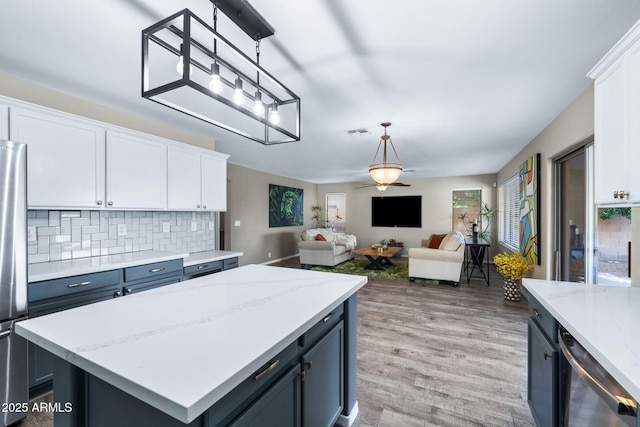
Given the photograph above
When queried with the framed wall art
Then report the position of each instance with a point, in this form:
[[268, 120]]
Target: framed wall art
[[530, 209], [286, 206]]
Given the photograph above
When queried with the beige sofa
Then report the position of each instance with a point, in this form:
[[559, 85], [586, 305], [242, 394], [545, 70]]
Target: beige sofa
[[329, 250], [441, 263]]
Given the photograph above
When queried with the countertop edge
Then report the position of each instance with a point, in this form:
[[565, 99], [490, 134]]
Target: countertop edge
[[39, 272]]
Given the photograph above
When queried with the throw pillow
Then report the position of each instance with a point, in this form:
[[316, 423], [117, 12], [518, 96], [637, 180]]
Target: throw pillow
[[451, 242], [320, 237], [436, 239]]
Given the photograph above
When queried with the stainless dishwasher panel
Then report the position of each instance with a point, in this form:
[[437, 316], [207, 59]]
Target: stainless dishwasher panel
[[592, 396], [13, 361]]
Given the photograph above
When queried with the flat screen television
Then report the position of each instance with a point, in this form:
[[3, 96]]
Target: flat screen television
[[396, 211]]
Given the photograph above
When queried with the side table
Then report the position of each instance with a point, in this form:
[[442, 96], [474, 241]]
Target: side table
[[476, 259]]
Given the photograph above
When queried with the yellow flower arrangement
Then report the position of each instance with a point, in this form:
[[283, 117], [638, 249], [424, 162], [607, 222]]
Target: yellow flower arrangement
[[512, 267]]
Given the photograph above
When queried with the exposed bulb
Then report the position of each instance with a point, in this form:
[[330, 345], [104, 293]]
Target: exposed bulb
[[215, 84], [180, 65], [258, 106], [274, 117], [238, 95]]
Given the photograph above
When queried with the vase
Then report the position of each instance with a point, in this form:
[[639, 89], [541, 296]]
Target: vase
[[512, 290]]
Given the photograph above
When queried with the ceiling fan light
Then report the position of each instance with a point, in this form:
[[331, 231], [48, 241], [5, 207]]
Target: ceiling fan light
[[381, 187]]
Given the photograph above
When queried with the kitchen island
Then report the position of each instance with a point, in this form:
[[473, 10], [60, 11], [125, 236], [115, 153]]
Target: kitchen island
[[208, 351]]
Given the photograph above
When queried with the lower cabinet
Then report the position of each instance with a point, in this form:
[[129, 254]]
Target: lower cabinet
[[323, 380], [543, 385], [278, 406], [69, 292]]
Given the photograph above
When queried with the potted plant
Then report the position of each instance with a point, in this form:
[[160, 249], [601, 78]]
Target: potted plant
[[487, 215], [317, 216], [512, 268]]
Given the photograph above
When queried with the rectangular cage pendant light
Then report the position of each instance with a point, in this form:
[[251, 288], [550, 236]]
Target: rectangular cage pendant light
[[189, 66]]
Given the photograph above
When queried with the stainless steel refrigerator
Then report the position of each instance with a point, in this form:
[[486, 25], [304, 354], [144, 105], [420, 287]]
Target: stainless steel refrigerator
[[13, 280]]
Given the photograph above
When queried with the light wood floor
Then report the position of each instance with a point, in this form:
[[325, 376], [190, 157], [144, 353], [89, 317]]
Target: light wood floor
[[434, 355]]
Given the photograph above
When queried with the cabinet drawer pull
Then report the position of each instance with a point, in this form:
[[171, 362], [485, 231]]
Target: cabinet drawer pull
[[75, 285], [110, 203], [127, 291], [99, 202], [327, 317], [203, 266], [5, 334], [546, 355], [536, 312], [267, 370], [155, 270]]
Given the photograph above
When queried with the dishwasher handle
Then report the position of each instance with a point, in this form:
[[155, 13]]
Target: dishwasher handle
[[621, 405]]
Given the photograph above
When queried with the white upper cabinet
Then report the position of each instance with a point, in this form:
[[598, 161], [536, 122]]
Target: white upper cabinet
[[4, 122], [183, 179], [79, 163], [617, 123], [196, 179], [214, 182], [136, 172], [65, 158]]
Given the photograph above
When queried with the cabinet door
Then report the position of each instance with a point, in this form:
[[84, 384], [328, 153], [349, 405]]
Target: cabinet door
[[183, 179], [65, 158], [214, 183], [611, 139], [323, 378], [633, 74], [542, 387], [278, 406], [136, 172], [4, 122]]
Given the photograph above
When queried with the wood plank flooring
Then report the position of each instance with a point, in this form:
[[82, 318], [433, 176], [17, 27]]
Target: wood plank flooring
[[434, 355]]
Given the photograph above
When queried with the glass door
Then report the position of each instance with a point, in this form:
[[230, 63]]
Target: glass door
[[571, 217], [592, 244]]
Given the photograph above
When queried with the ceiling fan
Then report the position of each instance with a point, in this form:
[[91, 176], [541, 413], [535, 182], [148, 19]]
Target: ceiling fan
[[382, 187]]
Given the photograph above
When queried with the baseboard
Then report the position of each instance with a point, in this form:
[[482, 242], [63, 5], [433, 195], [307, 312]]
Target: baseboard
[[347, 420], [280, 259]]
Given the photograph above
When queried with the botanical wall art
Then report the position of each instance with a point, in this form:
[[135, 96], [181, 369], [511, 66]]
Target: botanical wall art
[[530, 209], [285, 206]]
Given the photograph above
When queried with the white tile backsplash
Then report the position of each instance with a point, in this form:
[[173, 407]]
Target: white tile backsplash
[[77, 234]]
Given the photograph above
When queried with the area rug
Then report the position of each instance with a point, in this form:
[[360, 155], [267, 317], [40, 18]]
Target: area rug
[[397, 271]]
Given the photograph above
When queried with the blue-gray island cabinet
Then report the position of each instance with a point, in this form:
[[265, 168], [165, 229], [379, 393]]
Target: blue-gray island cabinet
[[256, 345]]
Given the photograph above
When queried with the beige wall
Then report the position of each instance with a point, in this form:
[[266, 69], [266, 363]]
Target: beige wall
[[248, 202], [567, 131], [437, 210], [24, 91]]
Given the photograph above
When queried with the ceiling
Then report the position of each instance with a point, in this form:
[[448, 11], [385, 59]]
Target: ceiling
[[466, 84]]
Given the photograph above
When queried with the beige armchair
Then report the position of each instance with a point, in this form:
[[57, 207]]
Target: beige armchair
[[442, 262], [329, 250]]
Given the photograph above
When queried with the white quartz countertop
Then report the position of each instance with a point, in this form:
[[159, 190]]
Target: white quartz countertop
[[209, 256], [182, 347], [604, 319], [73, 267]]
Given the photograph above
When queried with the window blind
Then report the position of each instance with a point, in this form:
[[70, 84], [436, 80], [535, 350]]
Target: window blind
[[509, 215]]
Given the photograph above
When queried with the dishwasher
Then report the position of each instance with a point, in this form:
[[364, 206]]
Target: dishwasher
[[592, 396]]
